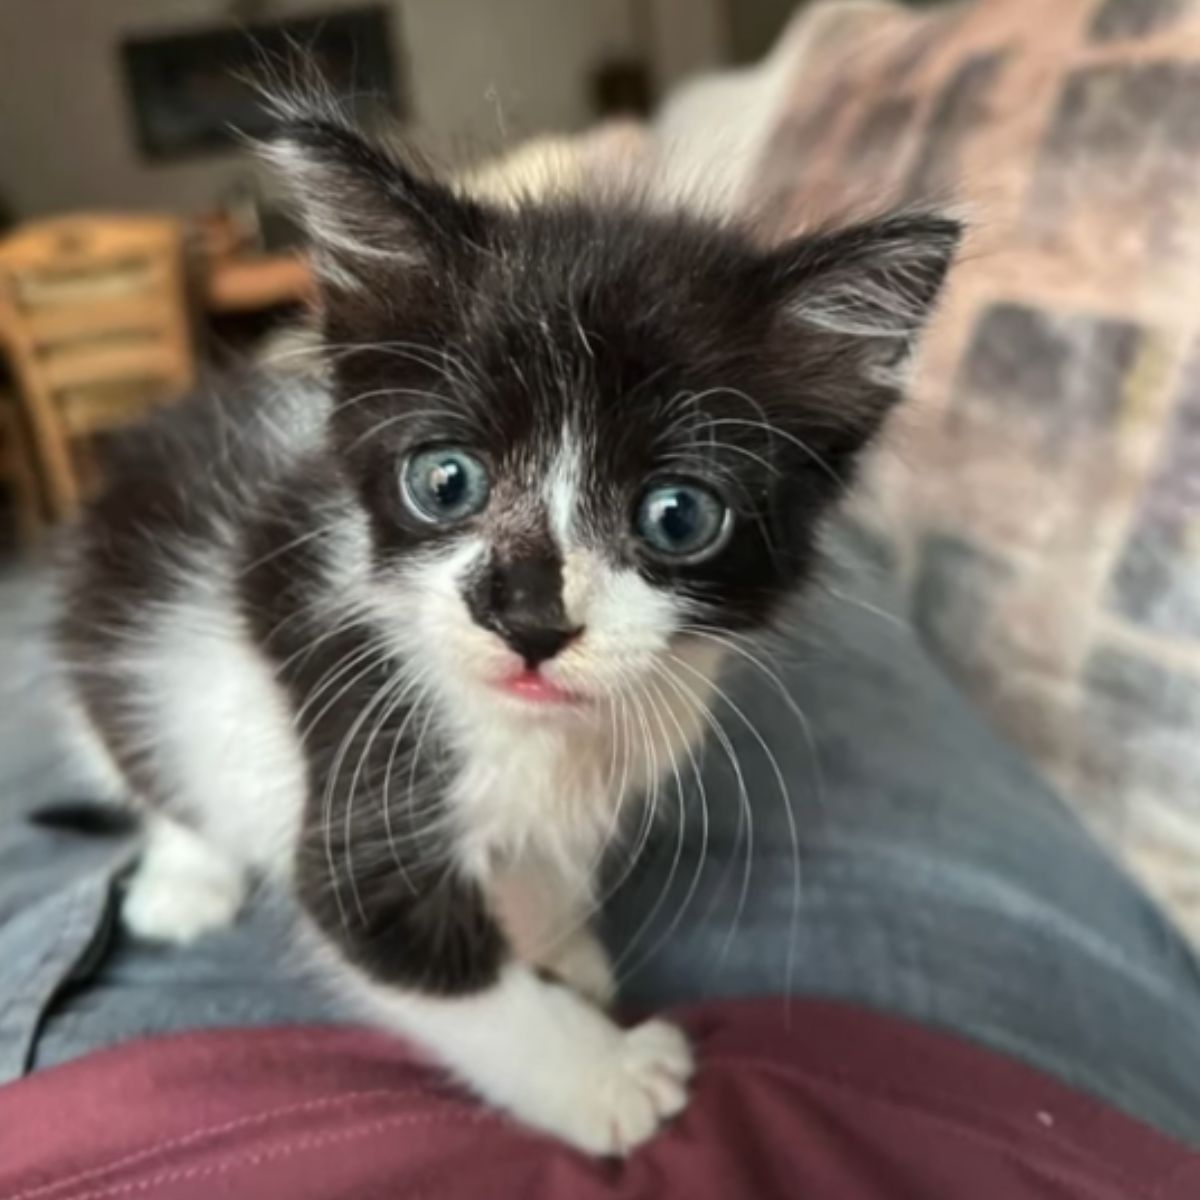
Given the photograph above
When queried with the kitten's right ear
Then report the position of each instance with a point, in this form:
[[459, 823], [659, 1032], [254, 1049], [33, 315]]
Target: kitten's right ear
[[362, 207]]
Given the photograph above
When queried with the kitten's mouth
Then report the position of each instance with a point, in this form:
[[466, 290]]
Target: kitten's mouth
[[534, 688]]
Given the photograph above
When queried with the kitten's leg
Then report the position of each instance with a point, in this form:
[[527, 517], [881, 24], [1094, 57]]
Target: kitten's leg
[[546, 920], [182, 885], [420, 953], [543, 1053]]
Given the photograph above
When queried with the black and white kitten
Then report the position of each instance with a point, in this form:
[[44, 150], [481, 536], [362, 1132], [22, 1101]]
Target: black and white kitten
[[410, 635]]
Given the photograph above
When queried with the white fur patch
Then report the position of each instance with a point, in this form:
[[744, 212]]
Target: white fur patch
[[223, 742], [564, 483], [182, 887], [545, 917], [548, 1057]]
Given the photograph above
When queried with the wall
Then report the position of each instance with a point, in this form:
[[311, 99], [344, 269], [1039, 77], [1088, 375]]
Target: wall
[[755, 24], [684, 36], [480, 72]]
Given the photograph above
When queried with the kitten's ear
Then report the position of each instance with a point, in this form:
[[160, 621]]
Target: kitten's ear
[[362, 207], [876, 282]]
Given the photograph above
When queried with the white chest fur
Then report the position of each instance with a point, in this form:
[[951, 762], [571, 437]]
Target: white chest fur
[[563, 787]]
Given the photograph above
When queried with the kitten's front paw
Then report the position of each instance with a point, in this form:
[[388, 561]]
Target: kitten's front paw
[[181, 888], [621, 1099], [179, 910]]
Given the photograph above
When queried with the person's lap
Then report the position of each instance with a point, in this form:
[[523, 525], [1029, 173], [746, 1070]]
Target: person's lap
[[931, 875], [937, 878]]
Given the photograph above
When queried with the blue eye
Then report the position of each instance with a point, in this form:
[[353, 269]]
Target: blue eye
[[445, 485], [682, 521]]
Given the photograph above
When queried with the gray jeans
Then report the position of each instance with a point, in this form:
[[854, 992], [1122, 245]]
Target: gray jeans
[[874, 842]]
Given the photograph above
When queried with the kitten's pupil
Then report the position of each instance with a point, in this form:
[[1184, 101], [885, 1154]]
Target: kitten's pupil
[[678, 516], [448, 483]]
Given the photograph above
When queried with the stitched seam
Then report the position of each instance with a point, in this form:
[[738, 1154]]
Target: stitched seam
[[195, 1135], [287, 1150]]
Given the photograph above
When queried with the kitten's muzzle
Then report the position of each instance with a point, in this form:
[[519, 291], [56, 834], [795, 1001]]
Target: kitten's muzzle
[[520, 600]]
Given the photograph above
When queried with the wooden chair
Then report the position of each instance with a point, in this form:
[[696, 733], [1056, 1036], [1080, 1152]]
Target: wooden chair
[[94, 322], [19, 474]]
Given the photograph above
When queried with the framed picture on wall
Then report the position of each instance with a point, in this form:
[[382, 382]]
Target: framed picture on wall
[[188, 91]]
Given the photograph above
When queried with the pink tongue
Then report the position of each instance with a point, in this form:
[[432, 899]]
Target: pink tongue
[[530, 685]]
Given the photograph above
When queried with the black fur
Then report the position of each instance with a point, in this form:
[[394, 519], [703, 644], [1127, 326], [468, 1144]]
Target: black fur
[[406, 920], [671, 345]]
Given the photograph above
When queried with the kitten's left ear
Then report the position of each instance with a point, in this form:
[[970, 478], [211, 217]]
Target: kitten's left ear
[[876, 283], [362, 207]]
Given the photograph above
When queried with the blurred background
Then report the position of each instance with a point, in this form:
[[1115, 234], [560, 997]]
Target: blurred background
[[1038, 500], [115, 110], [126, 102], [125, 119]]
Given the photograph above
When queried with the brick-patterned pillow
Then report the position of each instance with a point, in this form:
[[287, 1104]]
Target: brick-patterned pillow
[[1043, 491]]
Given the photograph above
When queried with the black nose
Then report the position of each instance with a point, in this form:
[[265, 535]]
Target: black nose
[[536, 643], [520, 600]]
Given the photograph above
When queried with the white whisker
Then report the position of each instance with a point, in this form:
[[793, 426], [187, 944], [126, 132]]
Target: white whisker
[[745, 824], [784, 795]]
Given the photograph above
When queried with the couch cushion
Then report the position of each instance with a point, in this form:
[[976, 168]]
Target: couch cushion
[[1042, 492]]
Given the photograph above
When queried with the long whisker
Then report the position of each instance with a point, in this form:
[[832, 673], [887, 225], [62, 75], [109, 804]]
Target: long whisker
[[275, 552], [659, 706], [648, 808], [404, 692], [416, 758], [726, 642], [379, 696], [327, 795], [351, 620], [745, 825], [664, 891], [697, 872], [397, 741], [439, 360], [332, 676], [785, 799], [867, 607], [775, 431]]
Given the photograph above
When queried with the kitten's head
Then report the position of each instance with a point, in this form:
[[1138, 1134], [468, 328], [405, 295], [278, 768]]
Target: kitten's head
[[588, 435]]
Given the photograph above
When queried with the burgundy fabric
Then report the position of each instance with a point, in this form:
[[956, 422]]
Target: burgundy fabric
[[801, 1100]]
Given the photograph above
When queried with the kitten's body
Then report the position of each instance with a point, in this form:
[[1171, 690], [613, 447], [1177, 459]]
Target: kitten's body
[[431, 729]]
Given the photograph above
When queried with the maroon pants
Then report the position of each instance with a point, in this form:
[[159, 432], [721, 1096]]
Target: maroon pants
[[792, 1101]]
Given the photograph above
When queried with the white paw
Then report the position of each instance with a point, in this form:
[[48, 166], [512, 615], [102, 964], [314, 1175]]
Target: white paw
[[181, 888], [177, 910], [544, 1054], [583, 965], [619, 1099]]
